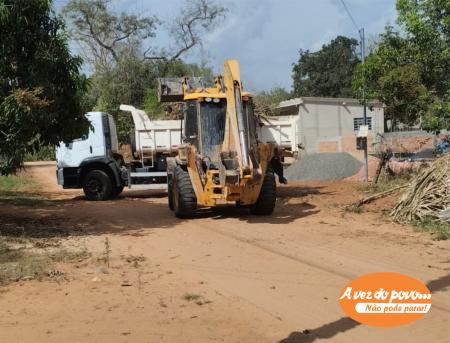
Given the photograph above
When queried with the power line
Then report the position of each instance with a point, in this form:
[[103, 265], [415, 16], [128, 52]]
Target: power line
[[363, 55], [350, 15]]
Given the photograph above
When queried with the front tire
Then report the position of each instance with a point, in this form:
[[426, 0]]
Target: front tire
[[97, 186], [184, 199], [265, 204]]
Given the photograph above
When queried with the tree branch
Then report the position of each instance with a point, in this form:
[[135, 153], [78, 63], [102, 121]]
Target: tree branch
[[94, 36]]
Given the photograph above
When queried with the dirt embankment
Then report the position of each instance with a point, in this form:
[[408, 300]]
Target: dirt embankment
[[225, 276]]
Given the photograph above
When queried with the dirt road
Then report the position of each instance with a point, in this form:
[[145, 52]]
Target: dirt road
[[225, 276]]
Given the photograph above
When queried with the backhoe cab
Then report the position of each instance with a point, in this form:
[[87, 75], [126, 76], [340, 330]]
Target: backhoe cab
[[220, 159]]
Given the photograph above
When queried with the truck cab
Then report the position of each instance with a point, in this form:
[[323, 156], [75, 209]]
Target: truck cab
[[92, 162]]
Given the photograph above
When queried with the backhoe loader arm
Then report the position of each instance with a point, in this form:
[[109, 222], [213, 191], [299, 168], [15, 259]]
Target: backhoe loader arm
[[236, 128]]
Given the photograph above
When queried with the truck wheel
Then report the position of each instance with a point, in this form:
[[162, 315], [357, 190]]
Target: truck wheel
[[170, 192], [116, 191], [184, 199], [97, 186], [265, 204]]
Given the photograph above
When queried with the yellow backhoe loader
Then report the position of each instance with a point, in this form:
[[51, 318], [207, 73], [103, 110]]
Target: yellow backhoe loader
[[221, 159]]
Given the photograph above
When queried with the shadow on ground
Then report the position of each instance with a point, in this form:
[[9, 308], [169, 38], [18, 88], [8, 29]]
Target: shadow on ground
[[133, 213], [288, 192], [284, 213], [36, 218], [345, 324], [290, 207]]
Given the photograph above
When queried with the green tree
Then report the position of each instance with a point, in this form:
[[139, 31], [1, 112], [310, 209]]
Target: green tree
[[40, 82], [327, 72], [391, 76], [410, 71]]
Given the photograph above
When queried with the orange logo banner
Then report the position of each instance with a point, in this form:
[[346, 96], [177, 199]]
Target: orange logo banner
[[385, 299]]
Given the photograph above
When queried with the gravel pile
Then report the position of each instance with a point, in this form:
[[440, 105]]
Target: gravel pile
[[324, 166]]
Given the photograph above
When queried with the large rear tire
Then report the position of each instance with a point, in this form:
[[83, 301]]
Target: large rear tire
[[265, 204], [184, 199], [97, 186]]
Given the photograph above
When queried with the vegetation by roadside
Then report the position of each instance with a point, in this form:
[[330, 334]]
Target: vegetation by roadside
[[20, 190], [440, 230], [24, 259], [31, 248], [17, 183], [44, 153], [384, 184]]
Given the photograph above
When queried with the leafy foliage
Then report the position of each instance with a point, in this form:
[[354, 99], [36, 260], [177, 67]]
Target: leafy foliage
[[40, 83], [327, 72], [266, 101], [410, 71]]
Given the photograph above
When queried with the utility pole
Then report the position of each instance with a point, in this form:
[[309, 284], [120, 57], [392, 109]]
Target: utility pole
[[363, 57]]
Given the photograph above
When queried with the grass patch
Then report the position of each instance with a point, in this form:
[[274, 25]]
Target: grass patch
[[354, 209], [24, 261], [18, 264], [196, 298], [440, 230], [66, 255], [18, 190], [17, 183], [191, 297], [384, 184]]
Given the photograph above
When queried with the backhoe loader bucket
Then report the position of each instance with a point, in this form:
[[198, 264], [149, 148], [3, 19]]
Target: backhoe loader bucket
[[170, 89]]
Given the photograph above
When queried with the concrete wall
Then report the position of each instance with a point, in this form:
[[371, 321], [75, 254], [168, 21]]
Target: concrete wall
[[325, 125], [345, 144]]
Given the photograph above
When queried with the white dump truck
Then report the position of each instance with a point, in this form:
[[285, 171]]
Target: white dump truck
[[280, 130], [94, 163]]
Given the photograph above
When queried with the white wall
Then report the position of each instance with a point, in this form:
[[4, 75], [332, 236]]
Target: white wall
[[325, 120]]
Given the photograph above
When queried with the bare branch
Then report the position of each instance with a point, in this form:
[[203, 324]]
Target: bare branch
[[198, 17], [92, 23]]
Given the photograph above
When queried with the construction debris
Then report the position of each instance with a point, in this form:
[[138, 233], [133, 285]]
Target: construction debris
[[428, 194], [323, 167]]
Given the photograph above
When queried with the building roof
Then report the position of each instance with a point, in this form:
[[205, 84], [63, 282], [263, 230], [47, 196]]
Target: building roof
[[314, 100], [289, 105]]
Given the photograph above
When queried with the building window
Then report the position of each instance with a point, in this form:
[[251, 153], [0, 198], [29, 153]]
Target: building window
[[357, 122]]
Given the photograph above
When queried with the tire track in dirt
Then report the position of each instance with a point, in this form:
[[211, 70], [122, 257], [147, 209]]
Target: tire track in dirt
[[318, 266]]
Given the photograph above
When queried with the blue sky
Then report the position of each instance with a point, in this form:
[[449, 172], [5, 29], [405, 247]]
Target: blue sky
[[266, 35]]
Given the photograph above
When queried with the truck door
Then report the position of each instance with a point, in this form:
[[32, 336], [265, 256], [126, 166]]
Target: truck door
[[99, 134], [91, 145]]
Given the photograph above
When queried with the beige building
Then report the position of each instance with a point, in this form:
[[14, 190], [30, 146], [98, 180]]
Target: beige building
[[330, 124]]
